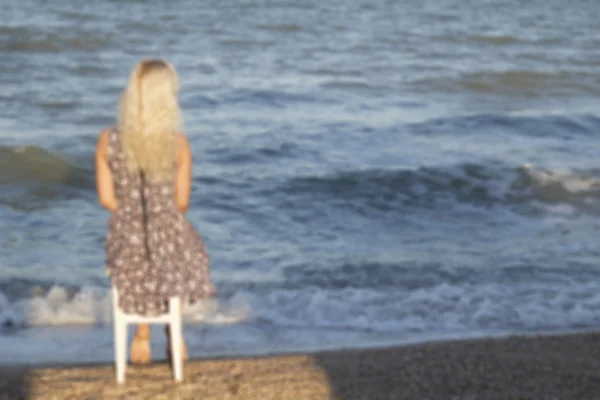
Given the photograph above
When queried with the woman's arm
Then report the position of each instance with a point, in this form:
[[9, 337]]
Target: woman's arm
[[183, 175], [104, 179]]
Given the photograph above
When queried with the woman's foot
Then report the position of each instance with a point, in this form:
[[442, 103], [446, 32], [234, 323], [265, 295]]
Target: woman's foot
[[140, 352]]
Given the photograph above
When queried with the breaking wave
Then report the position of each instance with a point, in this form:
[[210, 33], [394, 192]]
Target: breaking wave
[[28, 304], [476, 184], [32, 177]]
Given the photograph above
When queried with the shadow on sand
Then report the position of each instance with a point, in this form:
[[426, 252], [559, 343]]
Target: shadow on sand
[[14, 383], [515, 368]]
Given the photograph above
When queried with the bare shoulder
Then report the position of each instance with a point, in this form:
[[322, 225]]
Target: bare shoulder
[[103, 140], [182, 145], [182, 140]]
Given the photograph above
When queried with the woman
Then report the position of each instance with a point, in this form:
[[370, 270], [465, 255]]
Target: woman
[[143, 174]]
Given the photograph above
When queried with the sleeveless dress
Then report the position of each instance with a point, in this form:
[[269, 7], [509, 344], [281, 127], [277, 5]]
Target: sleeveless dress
[[152, 250]]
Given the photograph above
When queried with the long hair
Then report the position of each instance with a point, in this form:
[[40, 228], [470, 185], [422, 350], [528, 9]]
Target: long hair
[[149, 119]]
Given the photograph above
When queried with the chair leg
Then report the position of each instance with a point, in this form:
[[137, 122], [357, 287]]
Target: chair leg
[[176, 340], [120, 333]]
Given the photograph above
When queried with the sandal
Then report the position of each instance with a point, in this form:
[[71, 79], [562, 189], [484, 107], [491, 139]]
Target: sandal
[[140, 352]]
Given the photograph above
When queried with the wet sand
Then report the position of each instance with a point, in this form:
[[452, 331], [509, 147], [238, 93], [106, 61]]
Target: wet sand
[[520, 368]]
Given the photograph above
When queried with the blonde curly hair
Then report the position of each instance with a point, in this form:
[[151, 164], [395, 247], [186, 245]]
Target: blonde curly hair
[[149, 119]]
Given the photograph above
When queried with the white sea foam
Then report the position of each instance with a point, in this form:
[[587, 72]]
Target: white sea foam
[[559, 304], [92, 305], [439, 309], [571, 181]]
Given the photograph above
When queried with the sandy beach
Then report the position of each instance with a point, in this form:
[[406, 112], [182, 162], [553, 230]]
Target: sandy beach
[[525, 367]]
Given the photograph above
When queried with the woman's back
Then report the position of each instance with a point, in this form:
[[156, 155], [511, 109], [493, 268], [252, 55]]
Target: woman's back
[[135, 193], [153, 252]]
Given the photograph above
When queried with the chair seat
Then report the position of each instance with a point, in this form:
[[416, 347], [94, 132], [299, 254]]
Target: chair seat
[[142, 319]]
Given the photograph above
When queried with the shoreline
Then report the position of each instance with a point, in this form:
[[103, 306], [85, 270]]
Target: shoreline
[[374, 346], [554, 366]]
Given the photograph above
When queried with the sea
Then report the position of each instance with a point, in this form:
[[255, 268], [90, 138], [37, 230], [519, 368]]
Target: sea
[[366, 172]]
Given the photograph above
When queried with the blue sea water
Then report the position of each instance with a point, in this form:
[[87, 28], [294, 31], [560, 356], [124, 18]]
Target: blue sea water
[[365, 172]]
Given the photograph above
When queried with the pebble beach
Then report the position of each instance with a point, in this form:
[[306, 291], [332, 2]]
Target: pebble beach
[[565, 367]]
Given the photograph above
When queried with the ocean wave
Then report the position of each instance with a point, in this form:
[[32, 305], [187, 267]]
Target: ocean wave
[[280, 27], [542, 300], [518, 298], [43, 42], [33, 163], [503, 40], [359, 86], [53, 304], [494, 39], [268, 98], [411, 275], [521, 123], [517, 82], [426, 187], [442, 308], [249, 153], [32, 176]]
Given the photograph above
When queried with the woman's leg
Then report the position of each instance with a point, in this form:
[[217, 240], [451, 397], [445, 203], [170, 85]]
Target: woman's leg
[[140, 346]]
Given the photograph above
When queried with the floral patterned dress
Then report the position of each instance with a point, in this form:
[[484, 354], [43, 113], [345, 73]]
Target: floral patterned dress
[[152, 251]]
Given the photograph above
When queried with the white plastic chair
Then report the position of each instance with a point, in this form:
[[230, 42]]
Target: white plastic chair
[[121, 321]]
